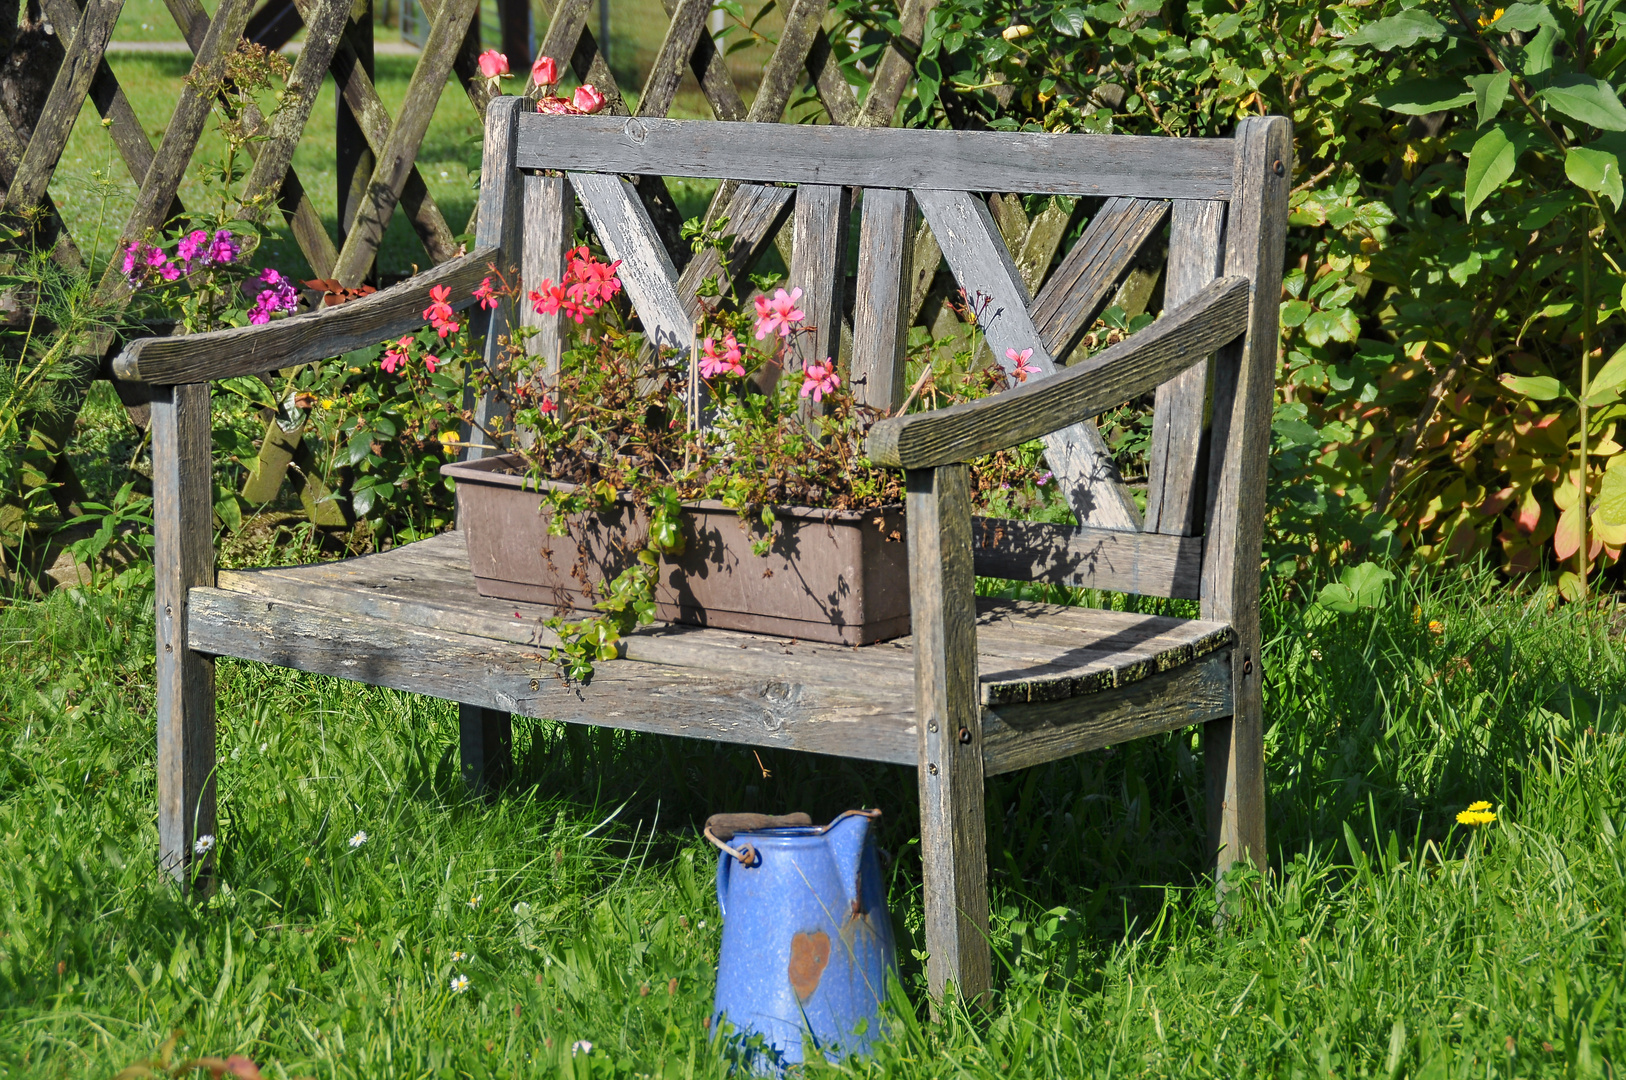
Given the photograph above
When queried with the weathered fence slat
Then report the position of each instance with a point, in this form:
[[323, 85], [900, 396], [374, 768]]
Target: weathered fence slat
[[1077, 291], [880, 327], [646, 272], [966, 232]]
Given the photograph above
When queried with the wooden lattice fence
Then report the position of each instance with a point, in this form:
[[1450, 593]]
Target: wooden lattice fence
[[376, 153]]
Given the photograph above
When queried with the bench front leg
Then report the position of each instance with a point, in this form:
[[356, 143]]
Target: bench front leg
[[183, 558], [953, 838]]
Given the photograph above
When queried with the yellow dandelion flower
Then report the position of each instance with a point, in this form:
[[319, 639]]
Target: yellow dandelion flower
[[1435, 626], [1477, 814], [1482, 804], [327, 403]]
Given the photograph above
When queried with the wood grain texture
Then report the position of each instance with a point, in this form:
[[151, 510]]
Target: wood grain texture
[[1133, 366], [183, 559], [818, 267], [969, 238], [548, 232], [785, 70], [1088, 274], [1146, 166], [627, 233], [395, 161], [1174, 486], [1020, 644], [180, 139], [953, 847], [881, 296], [83, 59], [566, 23], [829, 82], [1078, 556], [711, 71], [756, 710], [1042, 240], [501, 226], [1244, 386], [324, 27], [128, 134], [896, 68], [252, 350], [1018, 736], [373, 119], [672, 58]]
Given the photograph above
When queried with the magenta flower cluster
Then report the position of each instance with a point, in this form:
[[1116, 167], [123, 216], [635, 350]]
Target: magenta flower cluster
[[278, 295], [195, 251]]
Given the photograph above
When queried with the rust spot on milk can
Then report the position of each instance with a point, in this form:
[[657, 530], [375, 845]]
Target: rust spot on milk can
[[809, 953]]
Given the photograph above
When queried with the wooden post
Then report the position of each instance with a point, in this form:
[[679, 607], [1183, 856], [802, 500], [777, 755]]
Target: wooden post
[[514, 17], [550, 225], [355, 161], [501, 216], [953, 839], [880, 326], [183, 558], [486, 745], [1244, 387]]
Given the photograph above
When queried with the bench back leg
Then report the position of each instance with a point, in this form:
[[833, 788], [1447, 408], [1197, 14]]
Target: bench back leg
[[183, 557], [953, 837], [485, 743], [1244, 388]]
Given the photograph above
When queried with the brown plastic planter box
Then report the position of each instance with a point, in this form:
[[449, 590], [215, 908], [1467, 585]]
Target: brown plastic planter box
[[836, 576]]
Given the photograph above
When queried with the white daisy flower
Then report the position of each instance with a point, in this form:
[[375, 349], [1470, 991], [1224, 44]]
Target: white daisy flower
[[581, 1046], [458, 954], [357, 840], [460, 984], [205, 844], [474, 902]]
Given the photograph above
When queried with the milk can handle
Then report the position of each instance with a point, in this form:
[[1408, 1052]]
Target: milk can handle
[[745, 856]]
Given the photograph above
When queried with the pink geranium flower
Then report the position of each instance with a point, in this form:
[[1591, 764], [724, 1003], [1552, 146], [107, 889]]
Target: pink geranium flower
[[396, 355], [587, 98], [819, 379], [778, 315], [439, 312], [1021, 369], [485, 294], [545, 72], [713, 363], [548, 406], [430, 363], [493, 64]]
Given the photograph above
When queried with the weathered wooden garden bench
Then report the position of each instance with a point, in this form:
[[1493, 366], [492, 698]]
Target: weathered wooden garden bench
[[980, 687]]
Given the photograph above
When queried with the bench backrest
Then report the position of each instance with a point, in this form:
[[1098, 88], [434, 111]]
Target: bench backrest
[[1224, 201]]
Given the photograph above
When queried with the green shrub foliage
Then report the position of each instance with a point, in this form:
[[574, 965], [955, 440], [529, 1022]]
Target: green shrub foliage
[[1451, 314]]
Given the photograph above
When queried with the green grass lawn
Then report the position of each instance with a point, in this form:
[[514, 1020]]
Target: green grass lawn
[[1388, 942]]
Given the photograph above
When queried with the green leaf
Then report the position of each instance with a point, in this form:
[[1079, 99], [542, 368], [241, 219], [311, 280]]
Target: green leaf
[[1612, 494], [1538, 54], [1610, 374], [1534, 387], [1490, 92], [1357, 588], [1399, 31], [1490, 163], [1594, 170], [1591, 101], [1524, 18], [1068, 20], [1419, 97], [1294, 312]]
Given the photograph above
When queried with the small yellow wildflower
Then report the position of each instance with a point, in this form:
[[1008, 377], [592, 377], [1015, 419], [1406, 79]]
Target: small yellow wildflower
[[1416, 613], [327, 403], [1486, 20], [459, 954], [1435, 626], [448, 443], [474, 902], [1478, 813]]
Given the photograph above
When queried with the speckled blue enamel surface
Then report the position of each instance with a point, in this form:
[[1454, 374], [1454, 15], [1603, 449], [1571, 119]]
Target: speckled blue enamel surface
[[804, 883]]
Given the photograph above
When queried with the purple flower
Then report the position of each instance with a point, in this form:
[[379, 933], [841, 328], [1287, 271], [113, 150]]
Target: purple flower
[[281, 296], [133, 258], [193, 245], [169, 271], [224, 249]]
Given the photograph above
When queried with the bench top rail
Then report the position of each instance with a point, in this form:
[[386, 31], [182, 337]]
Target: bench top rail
[[1148, 167]]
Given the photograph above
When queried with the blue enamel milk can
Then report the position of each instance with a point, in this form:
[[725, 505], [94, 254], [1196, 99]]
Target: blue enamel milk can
[[807, 941]]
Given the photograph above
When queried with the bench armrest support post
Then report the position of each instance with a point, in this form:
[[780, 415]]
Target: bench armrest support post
[[183, 558], [953, 841]]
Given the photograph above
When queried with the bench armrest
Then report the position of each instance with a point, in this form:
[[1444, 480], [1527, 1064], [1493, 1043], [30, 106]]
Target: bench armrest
[[1185, 336], [316, 335]]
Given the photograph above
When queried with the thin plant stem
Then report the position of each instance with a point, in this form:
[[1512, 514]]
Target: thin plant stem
[[1583, 553]]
